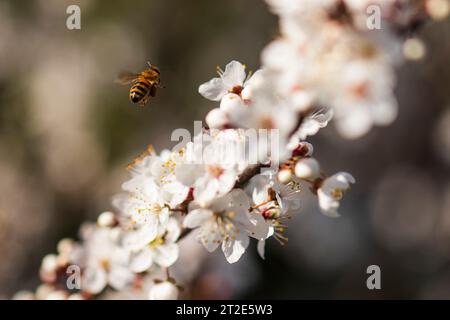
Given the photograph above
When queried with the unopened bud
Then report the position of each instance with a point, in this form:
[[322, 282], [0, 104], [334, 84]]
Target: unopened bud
[[307, 168], [271, 213], [216, 118], [438, 9], [231, 103], [285, 176], [304, 149], [49, 263], [414, 49], [106, 219], [65, 246], [165, 290]]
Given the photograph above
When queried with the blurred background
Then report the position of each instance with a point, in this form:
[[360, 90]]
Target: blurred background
[[67, 132]]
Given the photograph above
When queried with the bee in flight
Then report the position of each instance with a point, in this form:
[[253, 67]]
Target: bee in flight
[[144, 85]]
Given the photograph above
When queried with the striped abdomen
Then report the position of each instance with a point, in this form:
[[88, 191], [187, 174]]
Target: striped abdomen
[[140, 90]]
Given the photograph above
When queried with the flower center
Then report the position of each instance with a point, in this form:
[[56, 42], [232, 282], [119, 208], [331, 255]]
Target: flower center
[[360, 90], [337, 194], [226, 228], [156, 242], [236, 90], [266, 123], [215, 171], [271, 212], [105, 264]]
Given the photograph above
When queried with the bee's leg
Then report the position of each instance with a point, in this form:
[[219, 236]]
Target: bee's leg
[[159, 85], [144, 101]]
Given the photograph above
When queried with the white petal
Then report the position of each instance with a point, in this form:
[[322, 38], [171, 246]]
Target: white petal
[[187, 173], [166, 254], [327, 204], [196, 218], [257, 188], [340, 180], [255, 79], [345, 177], [214, 89], [119, 277], [233, 249], [234, 74], [312, 124], [94, 280], [121, 202], [164, 216], [173, 231], [141, 260], [239, 199], [144, 216], [226, 183], [210, 236], [261, 248], [385, 112], [205, 190], [260, 228], [139, 238]]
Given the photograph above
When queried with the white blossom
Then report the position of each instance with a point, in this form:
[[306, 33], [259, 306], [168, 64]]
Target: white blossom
[[232, 80], [331, 192], [271, 202], [224, 222], [163, 250], [212, 163], [103, 260]]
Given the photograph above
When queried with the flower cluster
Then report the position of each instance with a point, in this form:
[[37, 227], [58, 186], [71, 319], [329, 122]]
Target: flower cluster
[[242, 176]]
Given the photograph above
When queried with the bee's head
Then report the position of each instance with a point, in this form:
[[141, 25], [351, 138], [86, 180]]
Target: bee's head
[[154, 68]]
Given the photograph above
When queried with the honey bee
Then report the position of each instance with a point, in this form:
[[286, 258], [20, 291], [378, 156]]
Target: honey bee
[[145, 84]]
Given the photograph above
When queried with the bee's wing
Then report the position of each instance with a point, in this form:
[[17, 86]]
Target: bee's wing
[[126, 77]]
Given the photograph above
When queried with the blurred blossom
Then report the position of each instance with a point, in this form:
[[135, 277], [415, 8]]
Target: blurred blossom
[[438, 9], [414, 49], [405, 209]]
